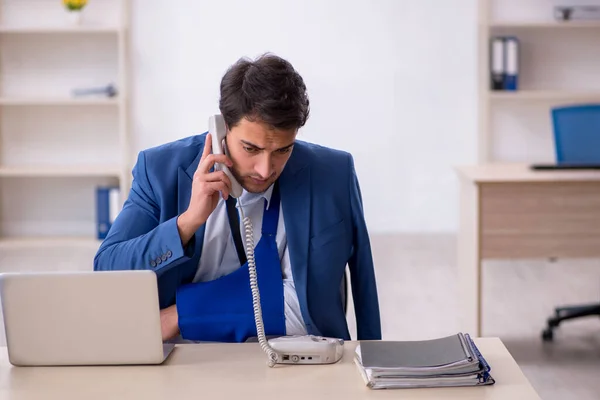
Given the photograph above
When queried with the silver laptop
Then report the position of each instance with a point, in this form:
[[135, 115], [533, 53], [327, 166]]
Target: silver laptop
[[82, 318]]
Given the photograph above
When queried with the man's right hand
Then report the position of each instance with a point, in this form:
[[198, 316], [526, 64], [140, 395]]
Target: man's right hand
[[206, 188]]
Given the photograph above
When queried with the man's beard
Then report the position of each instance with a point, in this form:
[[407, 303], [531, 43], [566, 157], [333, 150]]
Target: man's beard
[[246, 181]]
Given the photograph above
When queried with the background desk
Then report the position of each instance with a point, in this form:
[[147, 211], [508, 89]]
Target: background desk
[[239, 371], [510, 211]]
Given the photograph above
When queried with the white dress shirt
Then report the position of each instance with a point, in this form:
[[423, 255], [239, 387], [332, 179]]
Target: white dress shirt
[[219, 256]]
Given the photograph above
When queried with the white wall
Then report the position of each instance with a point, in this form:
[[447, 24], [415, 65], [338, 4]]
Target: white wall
[[391, 81]]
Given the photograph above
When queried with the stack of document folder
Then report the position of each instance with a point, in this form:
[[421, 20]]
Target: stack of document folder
[[444, 362]]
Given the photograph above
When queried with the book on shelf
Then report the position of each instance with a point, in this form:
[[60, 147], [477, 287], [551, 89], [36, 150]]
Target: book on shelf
[[504, 63], [108, 207], [443, 362]]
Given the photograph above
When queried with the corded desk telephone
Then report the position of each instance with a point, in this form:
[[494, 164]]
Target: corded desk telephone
[[298, 349]]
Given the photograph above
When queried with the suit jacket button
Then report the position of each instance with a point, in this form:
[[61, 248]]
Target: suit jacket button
[[169, 254], [153, 263], [164, 257], [158, 260]]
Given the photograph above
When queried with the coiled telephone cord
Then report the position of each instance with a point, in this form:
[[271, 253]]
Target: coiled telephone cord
[[260, 329]]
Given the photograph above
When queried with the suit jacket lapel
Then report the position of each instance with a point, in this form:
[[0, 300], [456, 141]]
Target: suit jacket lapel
[[296, 203]]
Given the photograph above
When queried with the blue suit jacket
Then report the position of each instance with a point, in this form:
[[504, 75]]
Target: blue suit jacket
[[324, 223]]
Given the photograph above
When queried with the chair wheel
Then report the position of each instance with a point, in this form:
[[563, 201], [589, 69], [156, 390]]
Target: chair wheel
[[547, 335]]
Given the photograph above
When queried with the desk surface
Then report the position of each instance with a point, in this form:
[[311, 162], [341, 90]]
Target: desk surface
[[239, 371], [517, 172]]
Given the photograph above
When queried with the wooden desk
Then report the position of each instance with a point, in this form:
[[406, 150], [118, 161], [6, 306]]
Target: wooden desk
[[509, 211], [239, 371]]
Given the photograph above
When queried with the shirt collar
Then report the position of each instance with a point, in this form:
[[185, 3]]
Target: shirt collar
[[248, 198]]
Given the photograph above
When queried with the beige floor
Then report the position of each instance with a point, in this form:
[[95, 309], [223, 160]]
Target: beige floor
[[417, 284]]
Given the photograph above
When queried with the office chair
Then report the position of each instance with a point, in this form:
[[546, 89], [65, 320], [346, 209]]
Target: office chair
[[344, 292], [577, 141]]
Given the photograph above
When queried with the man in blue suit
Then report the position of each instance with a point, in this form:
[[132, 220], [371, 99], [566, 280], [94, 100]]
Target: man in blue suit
[[304, 203]]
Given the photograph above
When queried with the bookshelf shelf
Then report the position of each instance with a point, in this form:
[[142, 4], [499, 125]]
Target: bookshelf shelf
[[58, 101], [61, 171], [49, 242], [545, 25], [61, 30], [566, 95]]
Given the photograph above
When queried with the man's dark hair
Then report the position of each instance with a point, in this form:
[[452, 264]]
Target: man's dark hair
[[268, 90]]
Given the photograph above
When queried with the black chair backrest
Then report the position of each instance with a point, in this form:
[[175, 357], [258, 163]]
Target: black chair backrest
[[344, 291]]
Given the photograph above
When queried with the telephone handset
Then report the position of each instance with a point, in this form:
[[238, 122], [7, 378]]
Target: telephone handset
[[298, 349], [218, 130]]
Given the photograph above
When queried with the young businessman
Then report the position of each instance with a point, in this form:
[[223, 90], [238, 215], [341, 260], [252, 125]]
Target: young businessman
[[304, 202]]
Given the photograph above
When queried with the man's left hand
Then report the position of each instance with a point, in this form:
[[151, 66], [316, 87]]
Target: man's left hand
[[169, 322]]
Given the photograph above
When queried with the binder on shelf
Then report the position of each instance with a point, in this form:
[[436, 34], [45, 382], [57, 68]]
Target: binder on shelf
[[450, 361], [504, 63], [511, 77], [497, 55], [108, 207]]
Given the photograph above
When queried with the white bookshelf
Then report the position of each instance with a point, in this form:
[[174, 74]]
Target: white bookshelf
[[559, 64], [56, 149]]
